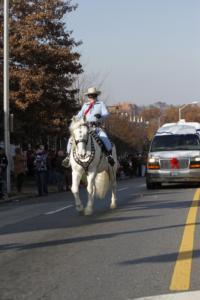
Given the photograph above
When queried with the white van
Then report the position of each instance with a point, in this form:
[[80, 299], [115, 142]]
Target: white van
[[174, 154]]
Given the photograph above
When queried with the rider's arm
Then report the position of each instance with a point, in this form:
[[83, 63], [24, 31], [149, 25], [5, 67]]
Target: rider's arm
[[104, 111]]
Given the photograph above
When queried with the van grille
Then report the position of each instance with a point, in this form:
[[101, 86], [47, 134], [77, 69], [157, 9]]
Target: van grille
[[166, 165]]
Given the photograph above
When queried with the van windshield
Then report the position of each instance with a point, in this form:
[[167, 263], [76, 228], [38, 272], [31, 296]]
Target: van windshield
[[175, 142]]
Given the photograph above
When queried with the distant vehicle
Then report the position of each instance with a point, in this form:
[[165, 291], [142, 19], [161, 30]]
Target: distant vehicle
[[174, 154]]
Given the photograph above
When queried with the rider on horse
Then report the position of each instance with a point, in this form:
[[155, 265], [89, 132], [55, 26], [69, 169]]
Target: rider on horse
[[94, 112]]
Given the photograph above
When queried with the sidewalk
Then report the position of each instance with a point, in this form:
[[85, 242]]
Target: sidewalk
[[29, 190]]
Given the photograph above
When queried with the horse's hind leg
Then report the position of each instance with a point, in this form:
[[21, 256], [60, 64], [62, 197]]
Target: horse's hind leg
[[76, 178], [113, 203], [91, 192]]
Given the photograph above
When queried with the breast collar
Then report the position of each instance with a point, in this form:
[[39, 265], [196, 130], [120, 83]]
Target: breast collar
[[85, 164]]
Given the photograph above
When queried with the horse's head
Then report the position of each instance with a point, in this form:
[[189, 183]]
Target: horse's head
[[80, 131]]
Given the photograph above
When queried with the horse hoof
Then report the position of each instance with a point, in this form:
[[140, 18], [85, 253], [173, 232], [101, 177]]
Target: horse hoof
[[81, 213], [113, 206], [88, 212], [79, 209]]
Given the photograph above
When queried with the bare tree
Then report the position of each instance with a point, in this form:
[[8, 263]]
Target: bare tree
[[85, 80]]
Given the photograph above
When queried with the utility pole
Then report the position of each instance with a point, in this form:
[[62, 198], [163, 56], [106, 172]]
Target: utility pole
[[6, 91]]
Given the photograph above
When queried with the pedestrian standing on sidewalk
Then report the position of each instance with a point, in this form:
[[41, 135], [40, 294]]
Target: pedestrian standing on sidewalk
[[51, 166], [60, 171], [20, 163], [3, 167], [30, 161], [41, 170]]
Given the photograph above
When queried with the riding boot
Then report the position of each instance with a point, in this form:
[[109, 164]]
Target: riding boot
[[66, 162], [110, 158]]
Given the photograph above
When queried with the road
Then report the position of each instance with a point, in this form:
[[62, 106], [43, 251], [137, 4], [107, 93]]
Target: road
[[49, 252]]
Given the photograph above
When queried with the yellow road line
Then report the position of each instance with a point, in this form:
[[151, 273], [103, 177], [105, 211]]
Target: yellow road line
[[182, 270]]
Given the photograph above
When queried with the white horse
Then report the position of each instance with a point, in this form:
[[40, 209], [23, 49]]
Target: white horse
[[87, 158]]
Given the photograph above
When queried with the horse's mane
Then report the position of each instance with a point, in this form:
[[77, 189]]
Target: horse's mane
[[76, 123]]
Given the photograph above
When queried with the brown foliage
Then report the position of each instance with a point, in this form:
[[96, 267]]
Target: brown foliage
[[43, 66], [126, 135]]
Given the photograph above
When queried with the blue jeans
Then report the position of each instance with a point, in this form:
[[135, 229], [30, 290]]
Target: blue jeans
[[41, 179], [104, 138]]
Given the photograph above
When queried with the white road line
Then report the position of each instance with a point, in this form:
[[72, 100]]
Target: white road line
[[58, 210], [122, 189], [142, 185], [195, 295]]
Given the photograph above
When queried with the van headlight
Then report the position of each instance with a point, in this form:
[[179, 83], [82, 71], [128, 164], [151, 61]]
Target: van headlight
[[152, 160], [153, 163], [195, 162]]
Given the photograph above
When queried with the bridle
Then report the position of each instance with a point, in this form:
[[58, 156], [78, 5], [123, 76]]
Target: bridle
[[85, 141]]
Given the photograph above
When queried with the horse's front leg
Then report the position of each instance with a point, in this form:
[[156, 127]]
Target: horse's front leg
[[91, 193], [76, 178]]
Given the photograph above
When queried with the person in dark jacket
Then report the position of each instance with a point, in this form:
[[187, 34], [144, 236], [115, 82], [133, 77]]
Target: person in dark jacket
[[41, 170], [3, 168]]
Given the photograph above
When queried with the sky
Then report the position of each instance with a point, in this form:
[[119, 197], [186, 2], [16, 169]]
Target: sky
[[143, 51]]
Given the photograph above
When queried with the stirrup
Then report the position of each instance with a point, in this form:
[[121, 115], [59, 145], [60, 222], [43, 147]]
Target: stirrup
[[66, 163]]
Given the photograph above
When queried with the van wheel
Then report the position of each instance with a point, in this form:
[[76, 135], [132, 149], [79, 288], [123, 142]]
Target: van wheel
[[158, 185], [151, 185]]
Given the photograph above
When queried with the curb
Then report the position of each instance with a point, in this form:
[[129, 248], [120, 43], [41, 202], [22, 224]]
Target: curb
[[17, 197], [28, 195]]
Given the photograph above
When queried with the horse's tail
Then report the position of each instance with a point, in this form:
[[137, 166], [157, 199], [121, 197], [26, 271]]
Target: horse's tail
[[102, 183]]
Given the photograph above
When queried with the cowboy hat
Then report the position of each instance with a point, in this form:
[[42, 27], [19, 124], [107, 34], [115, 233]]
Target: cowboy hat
[[92, 91]]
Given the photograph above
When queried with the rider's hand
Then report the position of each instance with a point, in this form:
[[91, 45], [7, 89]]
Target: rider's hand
[[98, 116]]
